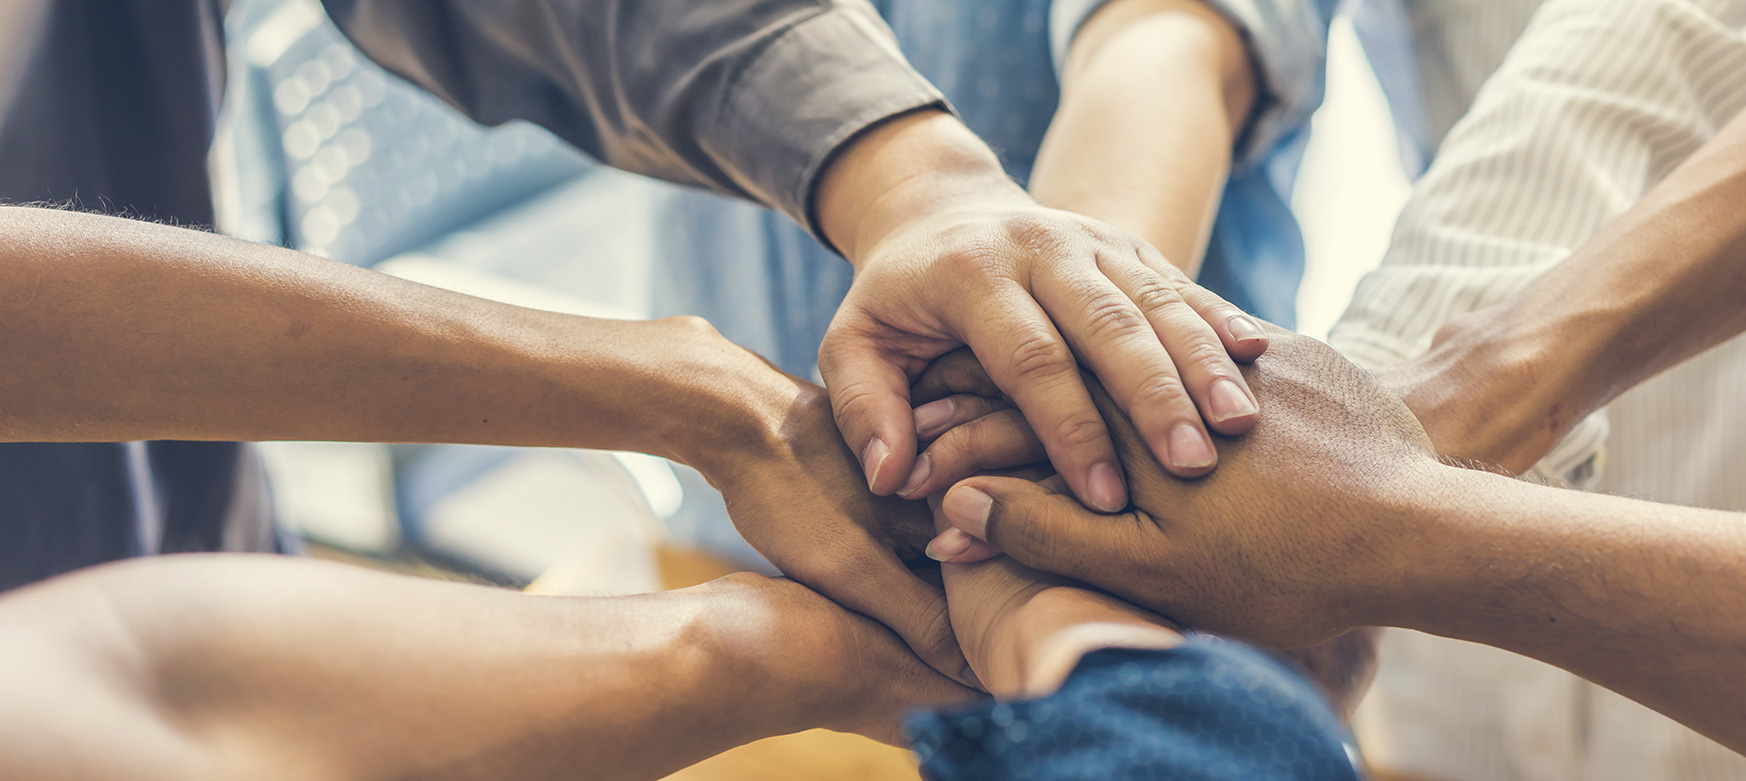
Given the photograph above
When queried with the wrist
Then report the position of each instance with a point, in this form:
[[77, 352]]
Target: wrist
[[718, 404], [766, 685], [902, 170], [1040, 635], [1442, 552], [1502, 386]]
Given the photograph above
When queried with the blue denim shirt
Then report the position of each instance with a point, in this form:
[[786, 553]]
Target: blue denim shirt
[[770, 287], [1208, 709]]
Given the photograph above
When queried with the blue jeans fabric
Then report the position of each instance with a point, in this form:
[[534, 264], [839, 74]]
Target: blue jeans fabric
[[1208, 710]]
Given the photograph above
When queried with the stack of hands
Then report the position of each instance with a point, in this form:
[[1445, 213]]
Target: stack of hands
[[1292, 543]]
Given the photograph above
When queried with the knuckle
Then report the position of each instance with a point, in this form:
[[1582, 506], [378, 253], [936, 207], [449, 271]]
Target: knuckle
[[1208, 356], [977, 258], [1161, 392], [953, 453], [1039, 356], [1033, 230], [851, 404], [1037, 535], [1112, 317], [1081, 431], [1155, 294]]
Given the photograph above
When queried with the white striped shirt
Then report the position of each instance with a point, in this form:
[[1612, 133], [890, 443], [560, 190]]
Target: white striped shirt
[[1596, 102]]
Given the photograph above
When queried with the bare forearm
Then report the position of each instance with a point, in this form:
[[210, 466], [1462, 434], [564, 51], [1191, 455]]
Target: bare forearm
[[1643, 598], [1152, 94], [233, 667], [1660, 284], [121, 330]]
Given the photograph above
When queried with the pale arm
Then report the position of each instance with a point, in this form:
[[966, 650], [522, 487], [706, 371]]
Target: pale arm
[[1153, 93], [221, 667]]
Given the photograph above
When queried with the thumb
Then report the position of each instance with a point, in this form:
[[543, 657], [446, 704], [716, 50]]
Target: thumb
[[1040, 525], [869, 392]]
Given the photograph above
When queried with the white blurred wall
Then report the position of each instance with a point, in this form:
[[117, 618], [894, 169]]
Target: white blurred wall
[[1351, 187]]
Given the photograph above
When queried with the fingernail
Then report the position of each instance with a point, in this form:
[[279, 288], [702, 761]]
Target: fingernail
[[932, 415], [1190, 449], [948, 545], [1245, 329], [1229, 401], [873, 458], [1103, 487], [968, 509], [917, 476]]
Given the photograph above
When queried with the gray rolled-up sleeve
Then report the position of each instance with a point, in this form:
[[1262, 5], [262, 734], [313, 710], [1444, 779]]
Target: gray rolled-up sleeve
[[746, 97], [1288, 42]]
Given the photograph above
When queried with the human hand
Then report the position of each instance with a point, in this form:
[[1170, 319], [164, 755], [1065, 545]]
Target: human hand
[[840, 670], [1491, 397], [1294, 541], [795, 494], [1024, 631], [948, 252]]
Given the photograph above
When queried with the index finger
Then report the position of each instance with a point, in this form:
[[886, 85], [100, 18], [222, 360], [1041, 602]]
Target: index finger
[[1026, 357], [869, 392]]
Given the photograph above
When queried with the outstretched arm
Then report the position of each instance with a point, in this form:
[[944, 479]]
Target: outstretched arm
[[119, 330], [1334, 514], [1660, 284], [1646, 599], [208, 666]]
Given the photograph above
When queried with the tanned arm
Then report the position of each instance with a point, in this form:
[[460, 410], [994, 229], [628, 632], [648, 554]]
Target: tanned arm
[[120, 330], [217, 667], [1646, 599]]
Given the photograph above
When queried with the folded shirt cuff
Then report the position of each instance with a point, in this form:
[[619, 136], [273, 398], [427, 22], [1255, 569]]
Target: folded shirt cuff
[[1287, 41], [824, 81]]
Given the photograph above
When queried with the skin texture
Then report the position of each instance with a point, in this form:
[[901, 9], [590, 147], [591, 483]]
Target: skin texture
[[1152, 95], [1503, 385], [1024, 631], [1153, 92], [221, 666], [119, 330], [948, 252], [1333, 514]]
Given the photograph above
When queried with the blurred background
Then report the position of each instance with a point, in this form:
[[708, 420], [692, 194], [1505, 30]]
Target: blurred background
[[322, 151]]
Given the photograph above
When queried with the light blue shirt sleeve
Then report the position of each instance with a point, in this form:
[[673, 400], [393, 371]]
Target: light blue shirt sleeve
[[1288, 42]]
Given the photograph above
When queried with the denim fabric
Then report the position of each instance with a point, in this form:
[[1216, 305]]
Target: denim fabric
[[1209, 709]]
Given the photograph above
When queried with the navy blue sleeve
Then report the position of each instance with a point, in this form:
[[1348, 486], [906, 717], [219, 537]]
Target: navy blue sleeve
[[1208, 709]]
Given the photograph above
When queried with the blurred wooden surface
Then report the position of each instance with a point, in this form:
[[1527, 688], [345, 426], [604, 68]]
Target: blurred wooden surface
[[806, 756]]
